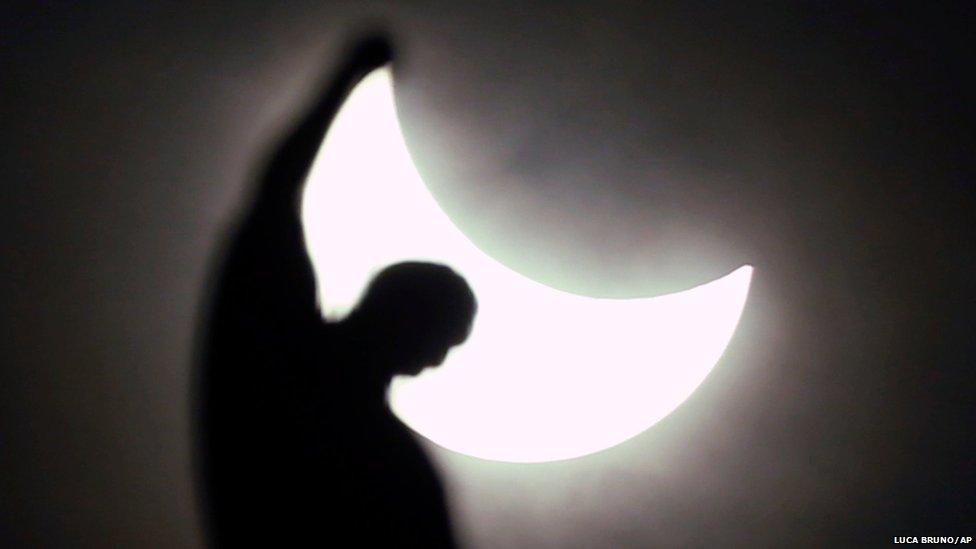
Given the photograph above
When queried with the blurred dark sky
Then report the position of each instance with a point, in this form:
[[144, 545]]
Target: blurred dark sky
[[607, 148]]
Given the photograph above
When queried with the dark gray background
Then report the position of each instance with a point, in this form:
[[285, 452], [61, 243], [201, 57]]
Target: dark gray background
[[607, 148]]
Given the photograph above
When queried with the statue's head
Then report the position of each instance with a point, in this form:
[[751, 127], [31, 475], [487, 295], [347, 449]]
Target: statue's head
[[411, 315]]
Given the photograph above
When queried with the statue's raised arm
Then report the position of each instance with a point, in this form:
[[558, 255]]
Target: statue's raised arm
[[267, 269]]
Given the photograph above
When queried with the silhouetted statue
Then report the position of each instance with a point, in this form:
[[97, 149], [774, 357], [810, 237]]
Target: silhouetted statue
[[298, 446]]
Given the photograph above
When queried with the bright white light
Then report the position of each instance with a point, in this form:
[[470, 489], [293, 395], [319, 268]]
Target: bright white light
[[546, 374]]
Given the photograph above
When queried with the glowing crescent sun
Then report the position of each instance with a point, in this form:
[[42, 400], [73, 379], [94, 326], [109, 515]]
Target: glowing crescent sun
[[546, 374]]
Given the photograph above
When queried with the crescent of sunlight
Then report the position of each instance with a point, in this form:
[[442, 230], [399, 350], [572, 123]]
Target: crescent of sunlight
[[546, 375]]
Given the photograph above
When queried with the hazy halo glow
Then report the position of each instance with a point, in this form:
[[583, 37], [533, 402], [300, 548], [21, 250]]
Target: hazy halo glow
[[546, 374]]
